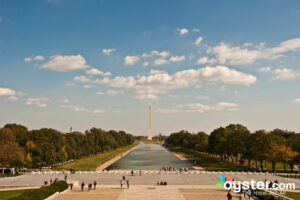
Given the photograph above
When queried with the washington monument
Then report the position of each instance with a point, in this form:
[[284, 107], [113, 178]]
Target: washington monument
[[150, 125]]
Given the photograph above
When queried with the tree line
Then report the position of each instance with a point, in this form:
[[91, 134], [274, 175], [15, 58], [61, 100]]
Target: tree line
[[235, 143], [45, 147]]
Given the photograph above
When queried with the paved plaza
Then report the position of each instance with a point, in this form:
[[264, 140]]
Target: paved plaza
[[190, 178], [178, 192], [181, 186]]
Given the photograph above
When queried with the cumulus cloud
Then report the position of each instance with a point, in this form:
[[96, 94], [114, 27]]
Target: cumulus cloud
[[108, 51], [61, 63], [38, 102], [199, 108], [82, 79], [146, 63], [265, 69], [159, 82], [81, 109], [205, 60], [87, 86], [177, 58], [297, 100], [111, 92], [285, 74], [10, 94], [198, 40], [35, 58], [65, 100], [236, 55], [160, 61], [202, 97], [7, 92], [182, 31], [131, 60], [95, 71]]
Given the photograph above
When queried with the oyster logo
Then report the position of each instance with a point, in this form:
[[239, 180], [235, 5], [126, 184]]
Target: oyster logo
[[223, 180]]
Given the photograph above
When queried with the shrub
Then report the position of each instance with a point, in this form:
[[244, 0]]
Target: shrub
[[43, 192]]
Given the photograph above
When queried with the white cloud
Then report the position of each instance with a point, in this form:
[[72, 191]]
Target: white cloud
[[146, 63], [183, 31], [36, 58], [7, 92], [265, 69], [166, 111], [195, 30], [114, 92], [61, 63], [27, 59], [160, 61], [95, 71], [65, 100], [39, 102], [1, 19], [111, 92], [87, 86], [81, 109], [199, 108], [108, 51], [146, 96], [153, 72], [205, 60], [285, 74], [177, 58], [198, 40], [39, 58], [12, 98], [82, 79], [236, 55], [297, 100], [202, 97], [131, 60], [162, 54], [159, 82]]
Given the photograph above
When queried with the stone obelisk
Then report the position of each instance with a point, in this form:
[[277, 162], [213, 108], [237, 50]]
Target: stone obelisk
[[150, 124]]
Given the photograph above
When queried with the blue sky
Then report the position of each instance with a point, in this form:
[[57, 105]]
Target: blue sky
[[201, 64]]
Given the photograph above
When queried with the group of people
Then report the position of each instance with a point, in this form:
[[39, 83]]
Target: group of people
[[183, 169], [124, 180], [51, 181], [162, 183], [133, 173], [90, 185]]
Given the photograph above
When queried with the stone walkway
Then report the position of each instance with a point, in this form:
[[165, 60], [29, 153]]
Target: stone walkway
[[147, 193]]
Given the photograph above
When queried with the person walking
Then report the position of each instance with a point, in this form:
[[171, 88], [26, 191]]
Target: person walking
[[124, 178], [45, 182], [127, 181], [82, 186], [229, 197], [50, 181], [121, 183], [66, 176], [89, 187], [140, 172], [71, 186], [95, 183]]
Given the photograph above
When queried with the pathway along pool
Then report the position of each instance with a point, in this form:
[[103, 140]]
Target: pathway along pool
[[148, 157]]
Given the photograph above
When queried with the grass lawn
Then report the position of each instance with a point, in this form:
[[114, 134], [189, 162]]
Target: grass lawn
[[293, 195], [208, 163], [91, 163], [11, 193]]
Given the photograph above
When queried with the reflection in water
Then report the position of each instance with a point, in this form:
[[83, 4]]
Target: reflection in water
[[150, 157]]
